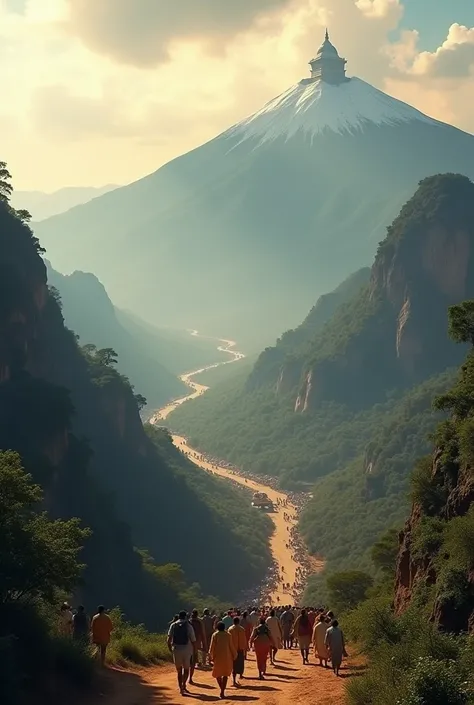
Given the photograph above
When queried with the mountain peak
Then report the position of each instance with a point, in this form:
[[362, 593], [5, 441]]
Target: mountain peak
[[312, 107]]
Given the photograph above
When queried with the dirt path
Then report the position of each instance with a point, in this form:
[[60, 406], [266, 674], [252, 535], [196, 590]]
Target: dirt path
[[282, 553], [287, 683]]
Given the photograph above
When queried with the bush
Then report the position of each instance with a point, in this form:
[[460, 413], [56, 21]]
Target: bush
[[433, 682], [133, 644], [348, 589]]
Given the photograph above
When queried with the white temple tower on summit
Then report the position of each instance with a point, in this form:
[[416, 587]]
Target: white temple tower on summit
[[327, 65]]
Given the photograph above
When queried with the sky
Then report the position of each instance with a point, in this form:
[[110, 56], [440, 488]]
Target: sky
[[106, 91]]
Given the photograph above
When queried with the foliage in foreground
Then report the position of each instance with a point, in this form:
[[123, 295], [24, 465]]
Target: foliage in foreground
[[133, 644], [411, 660], [39, 557]]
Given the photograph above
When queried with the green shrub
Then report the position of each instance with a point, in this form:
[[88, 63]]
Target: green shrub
[[428, 537], [434, 682], [425, 491], [133, 644]]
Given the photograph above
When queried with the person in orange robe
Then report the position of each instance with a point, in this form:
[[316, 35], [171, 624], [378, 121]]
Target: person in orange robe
[[223, 654], [262, 642], [101, 628]]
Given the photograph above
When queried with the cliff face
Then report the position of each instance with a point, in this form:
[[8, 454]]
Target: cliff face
[[395, 335], [278, 364], [436, 556]]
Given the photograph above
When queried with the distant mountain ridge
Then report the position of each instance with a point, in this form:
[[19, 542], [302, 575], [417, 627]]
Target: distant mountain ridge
[[44, 205], [247, 229], [91, 314]]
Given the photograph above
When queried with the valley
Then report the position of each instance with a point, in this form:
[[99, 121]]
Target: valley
[[290, 556]]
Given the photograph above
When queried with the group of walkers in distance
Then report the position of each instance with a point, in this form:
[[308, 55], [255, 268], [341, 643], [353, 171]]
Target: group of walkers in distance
[[77, 625], [224, 641]]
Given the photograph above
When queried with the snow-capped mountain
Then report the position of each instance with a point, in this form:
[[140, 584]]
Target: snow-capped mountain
[[316, 107], [242, 234]]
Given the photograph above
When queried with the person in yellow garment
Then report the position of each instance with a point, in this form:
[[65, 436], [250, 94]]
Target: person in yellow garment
[[223, 654], [101, 628], [239, 639]]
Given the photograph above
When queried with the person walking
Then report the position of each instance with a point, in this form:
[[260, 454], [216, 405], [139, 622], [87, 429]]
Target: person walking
[[80, 625], [334, 640], [247, 625], [319, 640], [287, 620], [303, 633], [223, 654], [65, 620], [181, 639], [101, 628], [274, 625], [239, 639], [228, 619], [261, 641], [198, 644], [208, 626]]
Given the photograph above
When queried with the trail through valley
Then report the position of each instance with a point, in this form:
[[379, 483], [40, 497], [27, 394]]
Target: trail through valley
[[286, 682], [284, 518]]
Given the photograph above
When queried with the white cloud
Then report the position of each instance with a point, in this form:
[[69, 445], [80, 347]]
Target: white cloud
[[77, 106]]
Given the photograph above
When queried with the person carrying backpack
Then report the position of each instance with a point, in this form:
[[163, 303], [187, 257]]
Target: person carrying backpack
[[181, 640]]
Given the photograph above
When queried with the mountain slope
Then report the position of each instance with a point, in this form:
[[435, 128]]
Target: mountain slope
[[247, 229], [89, 312], [352, 403], [179, 351], [75, 422]]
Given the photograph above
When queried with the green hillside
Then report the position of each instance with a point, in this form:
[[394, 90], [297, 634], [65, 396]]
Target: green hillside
[[89, 312], [346, 409], [73, 419]]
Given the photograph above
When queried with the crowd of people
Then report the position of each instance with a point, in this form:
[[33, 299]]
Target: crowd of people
[[222, 642], [77, 625]]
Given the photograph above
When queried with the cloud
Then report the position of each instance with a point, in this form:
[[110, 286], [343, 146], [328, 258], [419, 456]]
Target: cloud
[[142, 32], [454, 59], [379, 8]]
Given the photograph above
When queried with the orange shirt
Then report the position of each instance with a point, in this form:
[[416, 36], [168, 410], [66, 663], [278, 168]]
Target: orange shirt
[[101, 628], [238, 637]]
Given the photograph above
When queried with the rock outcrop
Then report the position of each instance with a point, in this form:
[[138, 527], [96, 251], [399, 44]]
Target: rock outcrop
[[395, 333]]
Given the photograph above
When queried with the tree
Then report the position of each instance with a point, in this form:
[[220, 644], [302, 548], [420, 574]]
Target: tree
[[141, 401], [384, 552], [38, 555], [461, 322], [23, 215], [106, 356], [6, 189], [348, 589]]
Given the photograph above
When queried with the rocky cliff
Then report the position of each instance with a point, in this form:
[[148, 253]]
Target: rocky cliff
[[436, 556], [394, 335]]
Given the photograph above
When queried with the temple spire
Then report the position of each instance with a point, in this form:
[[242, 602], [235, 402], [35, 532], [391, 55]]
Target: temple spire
[[327, 65]]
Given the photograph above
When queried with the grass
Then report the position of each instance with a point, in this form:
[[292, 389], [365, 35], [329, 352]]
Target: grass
[[133, 645]]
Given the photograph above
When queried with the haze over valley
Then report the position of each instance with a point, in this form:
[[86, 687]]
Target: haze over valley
[[237, 393]]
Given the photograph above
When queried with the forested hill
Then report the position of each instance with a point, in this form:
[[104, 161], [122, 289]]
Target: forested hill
[[351, 403], [88, 310], [75, 422]]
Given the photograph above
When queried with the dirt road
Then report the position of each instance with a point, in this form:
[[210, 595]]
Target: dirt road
[[288, 682], [283, 554]]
